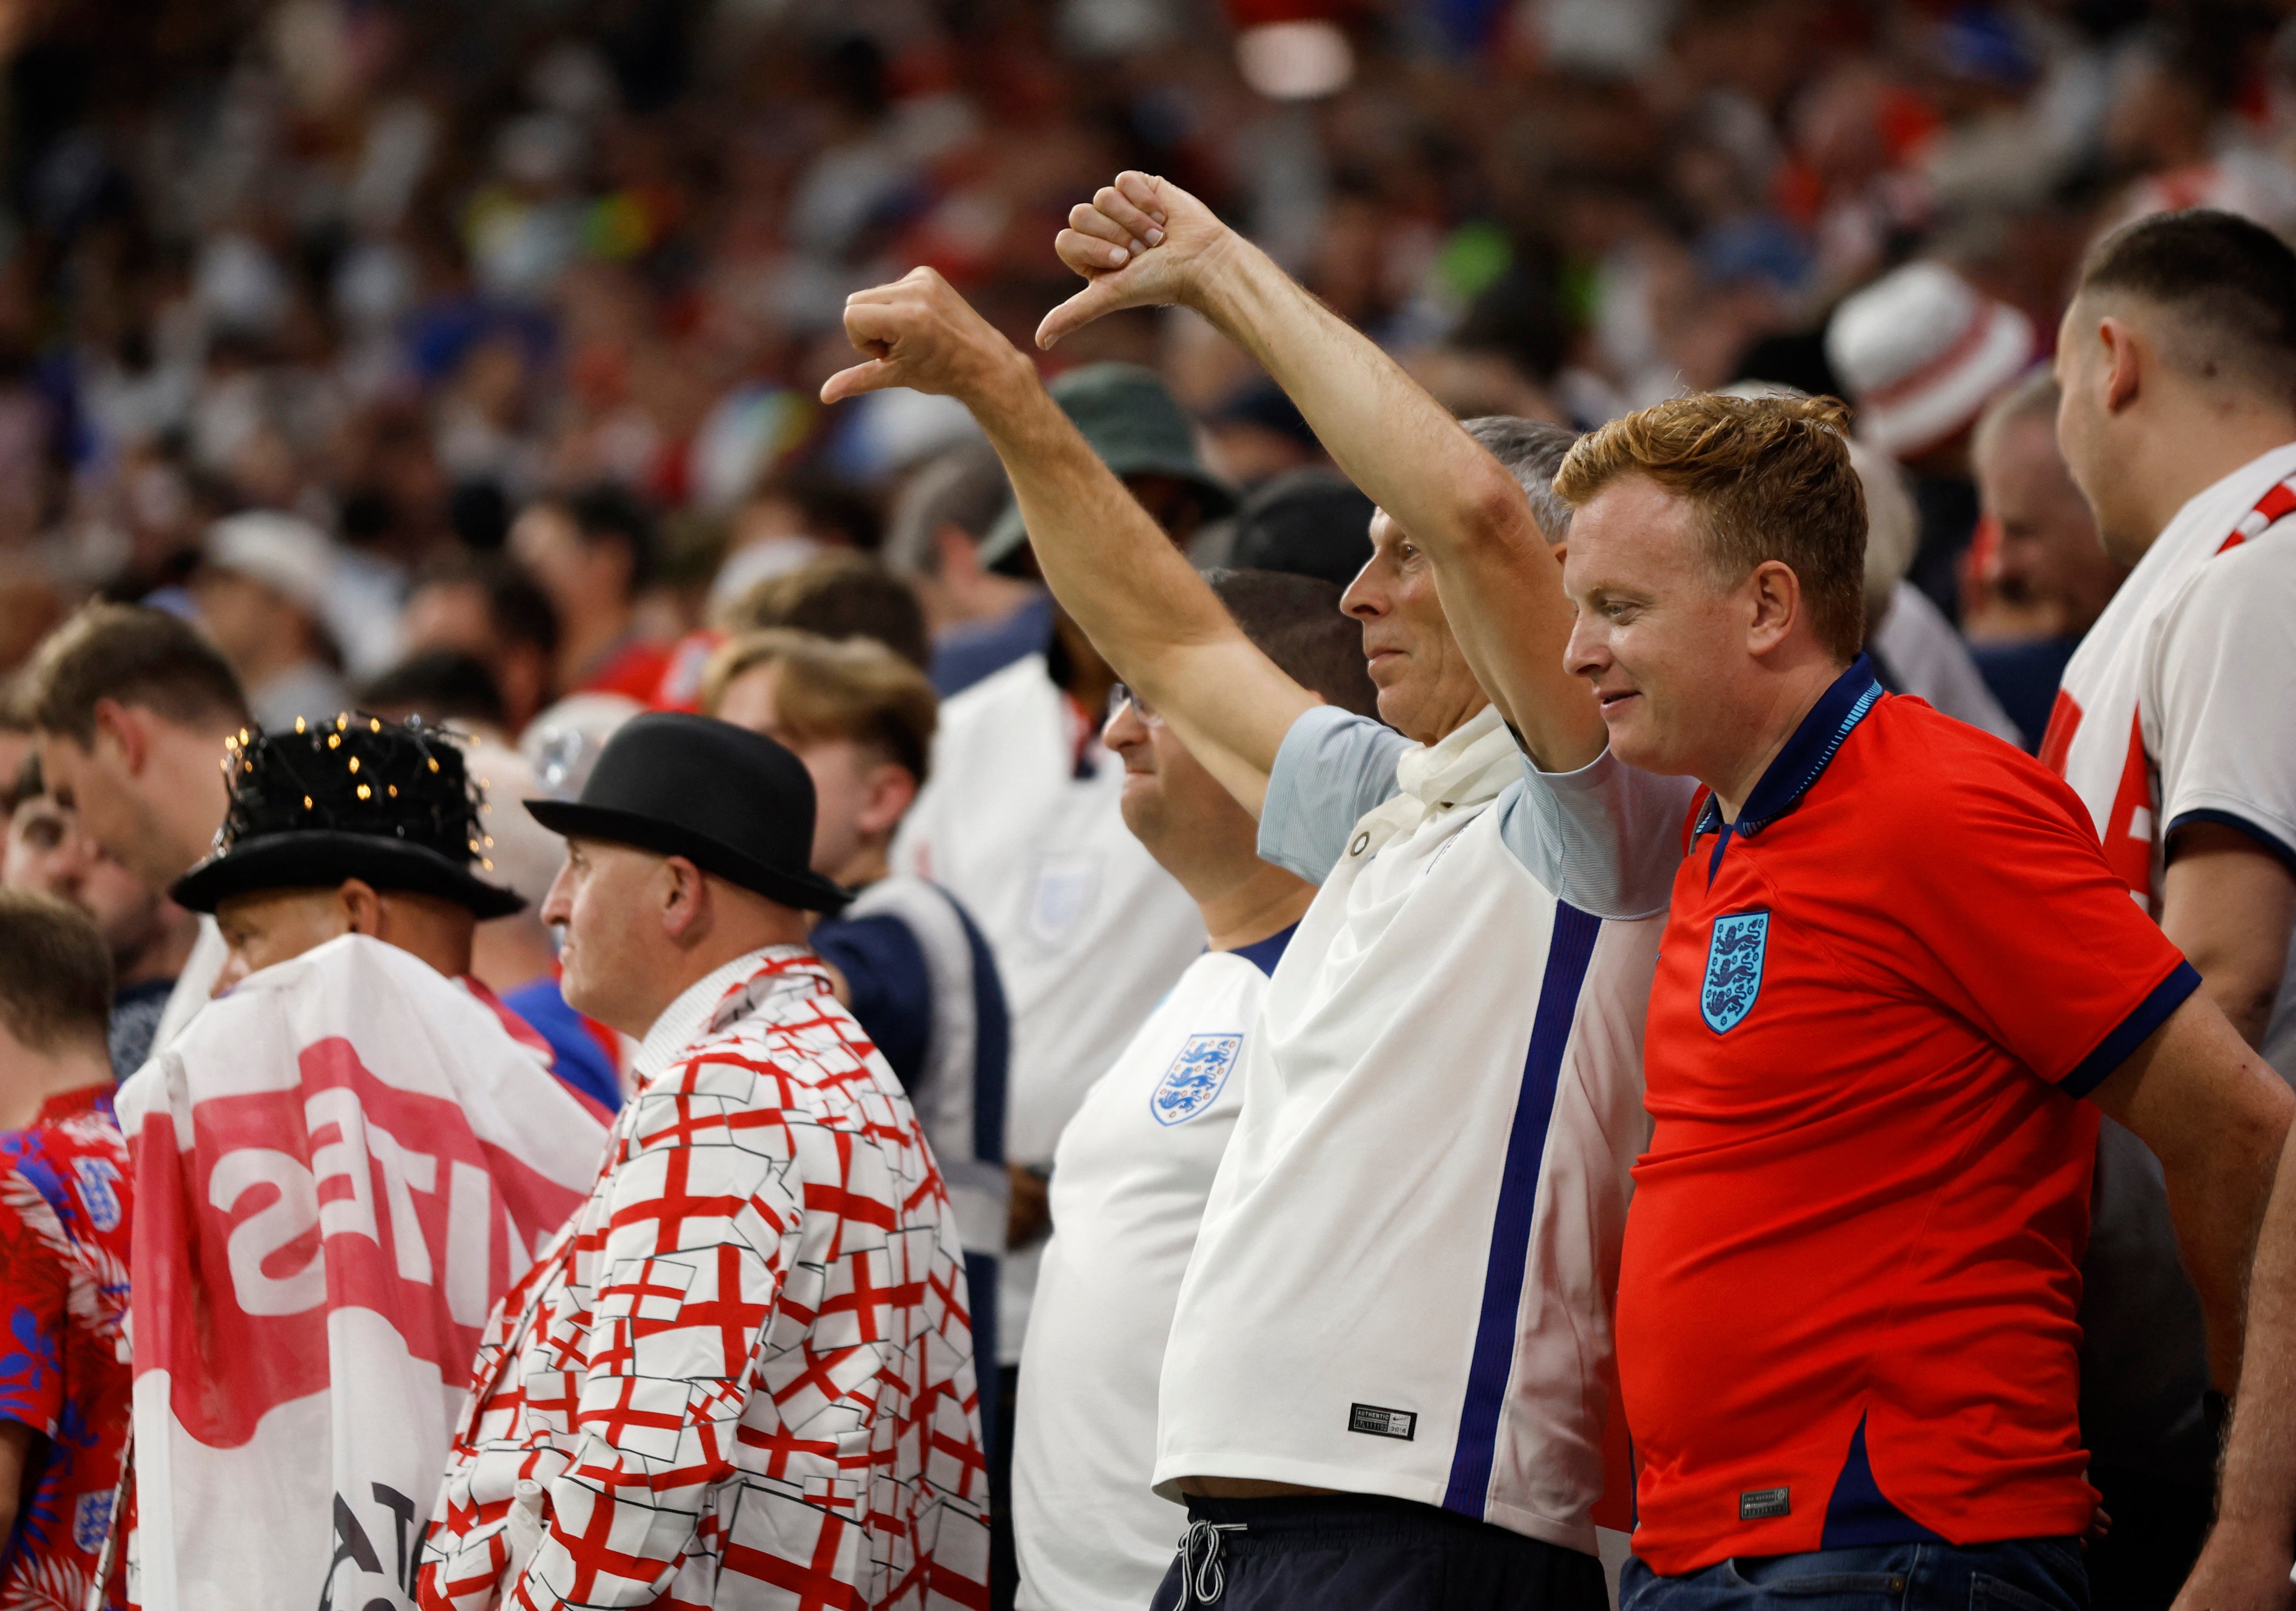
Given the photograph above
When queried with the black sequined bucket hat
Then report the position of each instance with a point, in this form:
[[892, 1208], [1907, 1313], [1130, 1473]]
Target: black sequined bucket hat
[[355, 798]]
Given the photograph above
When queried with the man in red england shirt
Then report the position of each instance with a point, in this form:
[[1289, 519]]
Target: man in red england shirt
[[1895, 961], [63, 1256]]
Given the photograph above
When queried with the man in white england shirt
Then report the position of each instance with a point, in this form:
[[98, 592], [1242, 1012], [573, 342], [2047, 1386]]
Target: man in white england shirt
[[1137, 1163], [1391, 1359], [2177, 361]]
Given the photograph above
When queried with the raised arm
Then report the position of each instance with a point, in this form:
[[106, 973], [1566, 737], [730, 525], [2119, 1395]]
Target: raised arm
[[1144, 241], [1109, 563]]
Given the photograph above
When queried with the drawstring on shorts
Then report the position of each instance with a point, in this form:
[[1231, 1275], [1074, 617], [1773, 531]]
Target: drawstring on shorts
[[1202, 1578]]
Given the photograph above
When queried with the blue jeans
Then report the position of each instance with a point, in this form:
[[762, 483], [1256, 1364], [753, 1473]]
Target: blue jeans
[[2016, 1574]]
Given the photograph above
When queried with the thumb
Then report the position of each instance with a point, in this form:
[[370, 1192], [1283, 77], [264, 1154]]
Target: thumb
[[1103, 296], [872, 377]]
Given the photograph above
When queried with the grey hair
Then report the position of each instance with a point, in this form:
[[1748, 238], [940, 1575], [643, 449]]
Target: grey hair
[[963, 487], [2036, 393], [1532, 450]]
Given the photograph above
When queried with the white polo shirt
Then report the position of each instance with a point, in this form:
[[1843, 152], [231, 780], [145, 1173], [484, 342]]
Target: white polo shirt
[[1405, 1278], [1021, 821], [1129, 1182]]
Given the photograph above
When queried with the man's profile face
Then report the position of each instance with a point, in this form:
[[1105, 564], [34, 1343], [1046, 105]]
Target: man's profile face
[[2049, 554], [608, 898], [95, 786], [1170, 803], [1654, 632], [266, 927], [841, 770], [1425, 687], [2083, 426]]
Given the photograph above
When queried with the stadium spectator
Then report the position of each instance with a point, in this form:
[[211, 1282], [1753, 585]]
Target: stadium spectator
[[686, 897], [148, 935], [131, 710], [908, 959], [2178, 422], [64, 1233], [1022, 822], [1309, 1480], [262, 592], [2048, 558], [593, 554], [1136, 1165], [483, 605]]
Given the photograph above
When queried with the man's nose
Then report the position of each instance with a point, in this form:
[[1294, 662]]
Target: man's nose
[[1584, 653]]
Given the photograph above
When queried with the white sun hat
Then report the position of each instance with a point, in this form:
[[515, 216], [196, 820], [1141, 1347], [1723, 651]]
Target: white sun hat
[[1921, 352], [285, 552]]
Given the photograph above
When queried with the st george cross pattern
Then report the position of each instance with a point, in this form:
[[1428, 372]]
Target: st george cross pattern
[[742, 1376]]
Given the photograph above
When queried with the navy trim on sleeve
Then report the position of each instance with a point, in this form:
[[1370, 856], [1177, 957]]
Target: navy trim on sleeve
[[2270, 841], [2150, 1014]]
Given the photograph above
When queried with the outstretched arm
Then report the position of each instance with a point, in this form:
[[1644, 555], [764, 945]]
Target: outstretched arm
[[1109, 563], [1145, 241]]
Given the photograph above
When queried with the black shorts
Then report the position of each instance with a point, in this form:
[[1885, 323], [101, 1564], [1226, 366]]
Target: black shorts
[[1354, 1552]]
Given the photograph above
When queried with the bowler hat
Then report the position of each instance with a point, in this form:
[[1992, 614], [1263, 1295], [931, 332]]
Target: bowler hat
[[355, 798], [1135, 427], [731, 801]]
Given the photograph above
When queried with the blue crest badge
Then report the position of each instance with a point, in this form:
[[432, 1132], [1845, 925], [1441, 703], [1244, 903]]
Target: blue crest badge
[[98, 1178], [1734, 969], [1194, 1080], [90, 1522]]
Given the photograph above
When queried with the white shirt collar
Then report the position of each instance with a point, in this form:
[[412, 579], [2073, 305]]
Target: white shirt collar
[[683, 1021]]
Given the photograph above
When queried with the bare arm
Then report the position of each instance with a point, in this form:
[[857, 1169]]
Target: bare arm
[[2217, 1117], [17, 1443], [1111, 566], [2229, 904], [1500, 582], [2244, 1567]]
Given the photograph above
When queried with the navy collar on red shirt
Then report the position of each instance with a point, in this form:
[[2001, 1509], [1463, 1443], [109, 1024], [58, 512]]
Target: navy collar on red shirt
[[1803, 760]]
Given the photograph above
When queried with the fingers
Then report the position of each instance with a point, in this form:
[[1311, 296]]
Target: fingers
[[1100, 297], [1120, 208], [871, 377], [1089, 255]]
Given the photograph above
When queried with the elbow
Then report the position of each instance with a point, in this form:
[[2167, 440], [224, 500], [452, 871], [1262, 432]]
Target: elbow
[[1494, 513]]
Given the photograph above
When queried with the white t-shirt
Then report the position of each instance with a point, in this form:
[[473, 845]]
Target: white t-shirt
[[2176, 708], [1129, 1182], [1021, 821], [1404, 1278]]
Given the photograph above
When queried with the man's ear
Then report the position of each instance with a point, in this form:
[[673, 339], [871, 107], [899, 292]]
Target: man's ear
[[2123, 362], [892, 789], [685, 901], [129, 730], [1775, 594], [361, 907]]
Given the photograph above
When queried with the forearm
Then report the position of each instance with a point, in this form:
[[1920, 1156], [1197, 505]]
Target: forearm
[[2216, 1118], [1501, 586], [1152, 617], [2258, 1485]]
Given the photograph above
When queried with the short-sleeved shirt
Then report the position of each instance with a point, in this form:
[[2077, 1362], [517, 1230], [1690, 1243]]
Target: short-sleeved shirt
[[1129, 1183], [64, 1227], [1403, 1281], [1846, 1311]]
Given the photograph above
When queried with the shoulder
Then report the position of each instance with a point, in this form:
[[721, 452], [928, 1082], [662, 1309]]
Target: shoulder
[[1926, 780], [1025, 682]]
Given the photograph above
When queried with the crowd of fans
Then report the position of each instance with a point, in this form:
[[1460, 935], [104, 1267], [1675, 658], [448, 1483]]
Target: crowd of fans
[[466, 366]]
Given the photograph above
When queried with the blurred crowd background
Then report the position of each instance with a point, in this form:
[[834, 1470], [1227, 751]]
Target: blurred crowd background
[[398, 268]]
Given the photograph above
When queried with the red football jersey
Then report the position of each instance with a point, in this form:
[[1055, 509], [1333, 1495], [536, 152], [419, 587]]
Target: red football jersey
[[1846, 1306]]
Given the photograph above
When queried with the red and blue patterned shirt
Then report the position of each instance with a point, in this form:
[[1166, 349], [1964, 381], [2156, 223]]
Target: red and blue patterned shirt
[[63, 1362]]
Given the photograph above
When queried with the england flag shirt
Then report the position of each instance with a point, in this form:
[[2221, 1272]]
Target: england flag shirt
[[1129, 1182], [1403, 1285]]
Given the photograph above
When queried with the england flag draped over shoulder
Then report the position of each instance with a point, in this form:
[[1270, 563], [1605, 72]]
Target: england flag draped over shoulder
[[338, 1168]]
